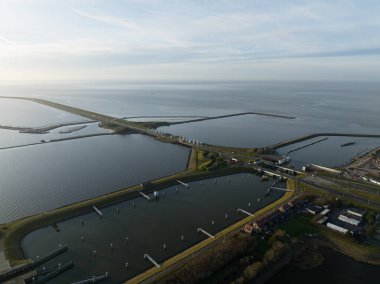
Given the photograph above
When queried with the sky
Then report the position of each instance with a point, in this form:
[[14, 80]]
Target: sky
[[189, 40]]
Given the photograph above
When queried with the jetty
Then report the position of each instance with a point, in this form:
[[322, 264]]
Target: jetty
[[200, 230], [182, 183], [245, 212], [147, 256], [97, 211]]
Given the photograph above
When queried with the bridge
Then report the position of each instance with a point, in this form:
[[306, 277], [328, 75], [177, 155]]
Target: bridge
[[270, 173], [282, 189]]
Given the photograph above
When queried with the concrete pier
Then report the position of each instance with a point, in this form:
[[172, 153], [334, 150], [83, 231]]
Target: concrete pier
[[200, 230], [182, 183], [147, 256], [245, 212], [98, 211], [24, 268], [145, 196], [94, 279], [54, 273]]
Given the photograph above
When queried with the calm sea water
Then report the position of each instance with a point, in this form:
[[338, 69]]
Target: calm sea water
[[148, 227], [317, 106]]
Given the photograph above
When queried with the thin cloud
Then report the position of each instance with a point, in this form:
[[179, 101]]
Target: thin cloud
[[116, 21], [4, 39]]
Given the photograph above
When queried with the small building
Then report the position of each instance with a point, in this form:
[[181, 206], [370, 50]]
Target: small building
[[356, 212], [313, 209], [349, 220], [337, 228], [248, 228], [324, 212]]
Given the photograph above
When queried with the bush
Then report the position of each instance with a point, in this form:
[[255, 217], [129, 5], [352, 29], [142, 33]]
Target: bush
[[277, 250], [206, 264], [278, 235], [251, 271]]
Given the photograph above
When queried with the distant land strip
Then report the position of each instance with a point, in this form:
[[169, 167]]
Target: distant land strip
[[164, 116]]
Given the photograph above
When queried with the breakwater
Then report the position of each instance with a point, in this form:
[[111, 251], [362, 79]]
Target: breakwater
[[43, 129], [307, 137]]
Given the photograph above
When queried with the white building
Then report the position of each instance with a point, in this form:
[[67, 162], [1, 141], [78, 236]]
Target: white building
[[337, 228], [348, 220]]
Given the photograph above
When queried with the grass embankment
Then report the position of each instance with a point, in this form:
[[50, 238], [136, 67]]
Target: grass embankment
[[218, 237], [243, 154], [192, 162], [210, 161]]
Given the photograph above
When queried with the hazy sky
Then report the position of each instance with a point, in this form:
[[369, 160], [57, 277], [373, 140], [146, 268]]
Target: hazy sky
[[189, 39]]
